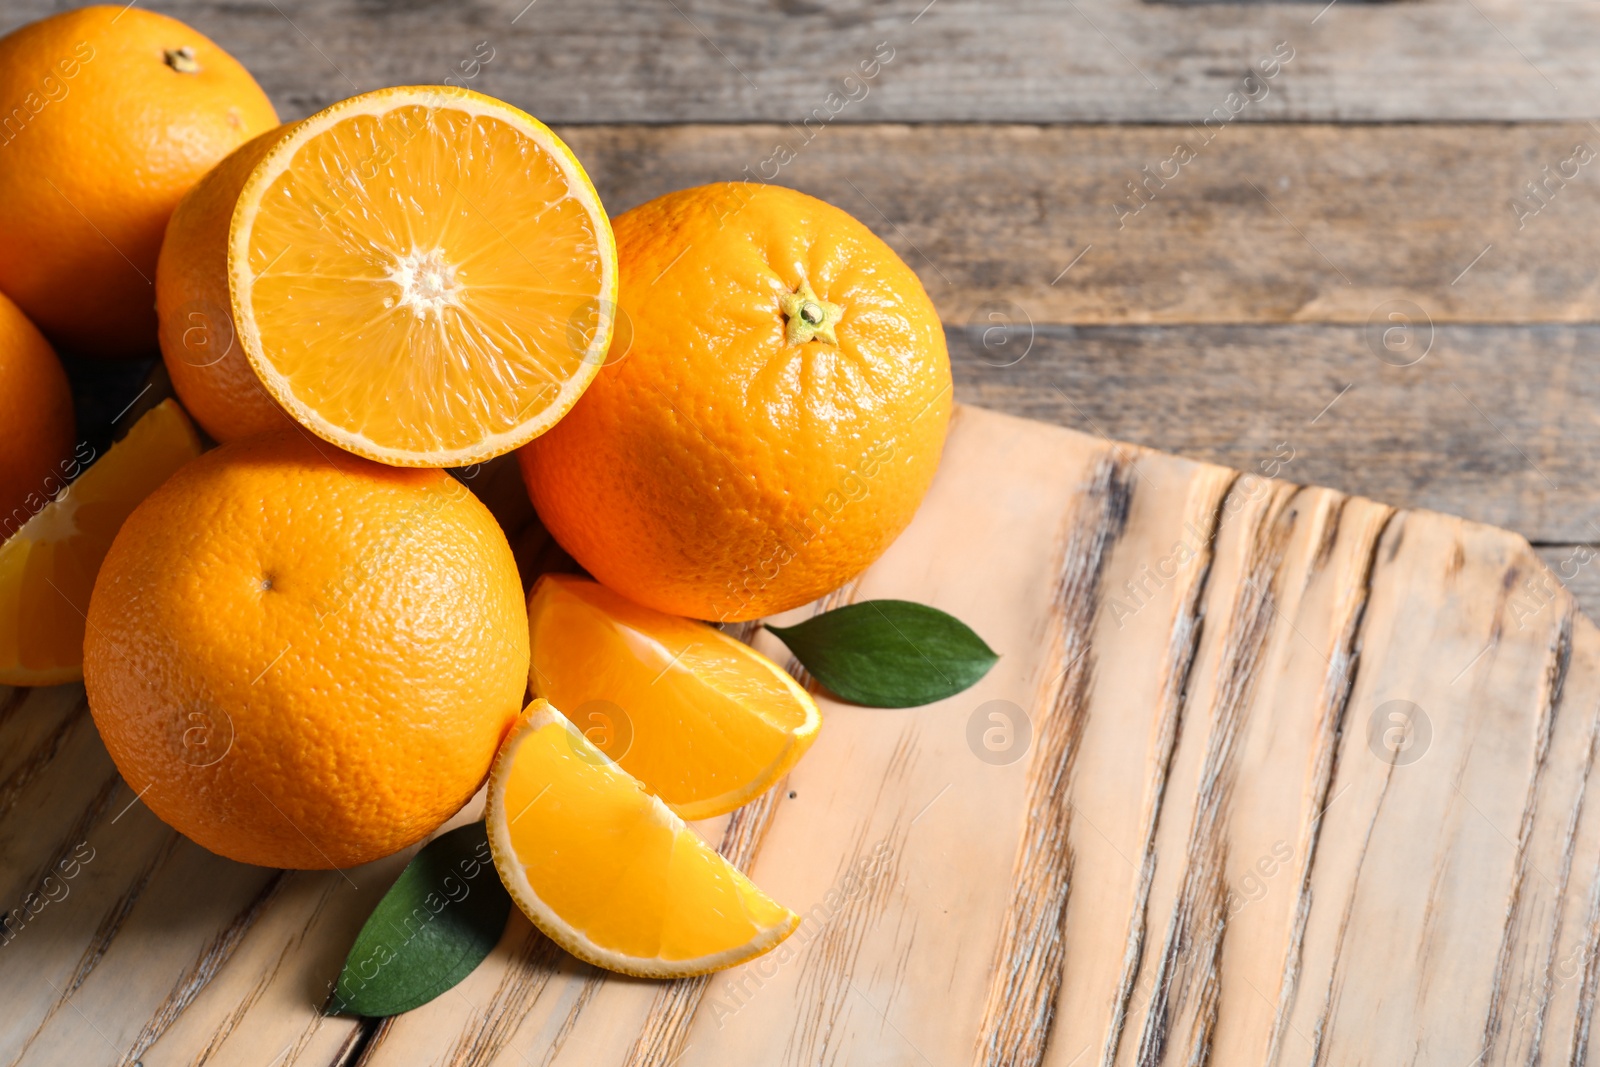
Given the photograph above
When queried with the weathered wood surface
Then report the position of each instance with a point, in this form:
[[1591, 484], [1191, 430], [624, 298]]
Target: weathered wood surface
[[1500, 424], [1496, 421], [1196, 839], [953, 60], [1094, 225]]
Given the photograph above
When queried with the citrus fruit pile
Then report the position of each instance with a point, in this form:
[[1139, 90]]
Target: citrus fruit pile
[[304, 639]]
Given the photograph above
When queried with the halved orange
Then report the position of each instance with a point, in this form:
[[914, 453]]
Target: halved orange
[[607, 871], [706, 722], [423, 276], [48, 567]]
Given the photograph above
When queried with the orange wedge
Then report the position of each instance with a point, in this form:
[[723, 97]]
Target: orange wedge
[[607, 871], [48, 567], [706, 722], [423, 276]]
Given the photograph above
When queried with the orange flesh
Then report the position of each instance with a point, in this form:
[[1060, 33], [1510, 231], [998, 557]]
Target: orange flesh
[[48, 568], [614, 876], [706, 722], [423, 285]]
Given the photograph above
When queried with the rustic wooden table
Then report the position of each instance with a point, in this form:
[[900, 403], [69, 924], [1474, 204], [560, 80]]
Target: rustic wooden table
[[1343, 245], [1191, 226]]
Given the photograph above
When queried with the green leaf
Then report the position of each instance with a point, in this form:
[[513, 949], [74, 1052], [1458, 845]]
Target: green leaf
[[889, 653], [437, 922]]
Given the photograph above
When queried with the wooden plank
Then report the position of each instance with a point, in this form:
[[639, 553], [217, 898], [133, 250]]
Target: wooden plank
[[953, 60], [888, 798], [1572, 567], [1139, 924], [1249, 777], [1318, 600], [1154, 585], [1546, 937], [1449, 433], [1188, 841], [1267, 223], [1468, 429], [126, 943], [1109, 224], [1486, 697]]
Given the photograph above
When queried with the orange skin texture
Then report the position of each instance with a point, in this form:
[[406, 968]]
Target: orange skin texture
[[107, 139], [199, 345], [36, 420], [716, 470], [308, 659]]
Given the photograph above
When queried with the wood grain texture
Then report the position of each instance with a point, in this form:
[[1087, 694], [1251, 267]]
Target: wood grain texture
[[1031, 955], [1091, 60], [1571, 566], [1202, 837], [1109, 224], [529, 993], [1154, 589], [1498, 424], [1486, 689], [125, 943], [1495, 423]]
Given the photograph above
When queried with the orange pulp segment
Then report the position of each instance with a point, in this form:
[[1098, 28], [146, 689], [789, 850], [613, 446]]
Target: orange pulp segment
[[423, 276], [607, 871], [706, 722], [48, 567]]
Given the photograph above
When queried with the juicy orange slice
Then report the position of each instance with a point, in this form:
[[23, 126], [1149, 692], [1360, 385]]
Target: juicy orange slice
[[706, 722], [48, 567], [607, 871], [423, 276]]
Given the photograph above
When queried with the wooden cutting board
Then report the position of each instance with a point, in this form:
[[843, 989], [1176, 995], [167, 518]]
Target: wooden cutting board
[[1266, 775]]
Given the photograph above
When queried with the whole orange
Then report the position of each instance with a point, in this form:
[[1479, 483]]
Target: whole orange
[[775, 421], [300, 658], [107, 116], [199, 345], [36, 423]]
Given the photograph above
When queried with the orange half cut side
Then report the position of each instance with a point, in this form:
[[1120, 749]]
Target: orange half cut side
[[423, 276]]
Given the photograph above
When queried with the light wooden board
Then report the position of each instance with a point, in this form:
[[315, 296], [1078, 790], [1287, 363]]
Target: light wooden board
[[1203, 852], [965, 60]]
